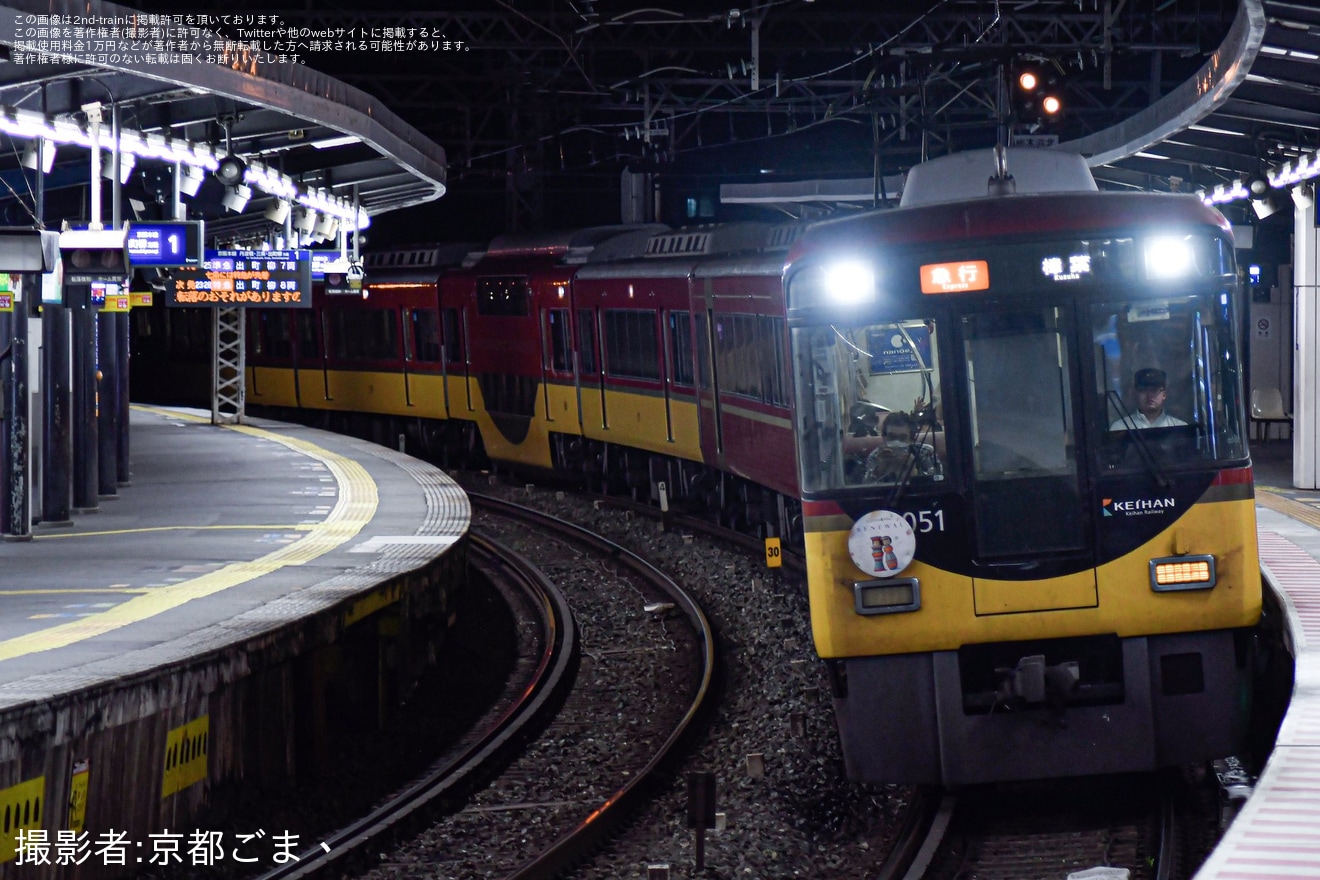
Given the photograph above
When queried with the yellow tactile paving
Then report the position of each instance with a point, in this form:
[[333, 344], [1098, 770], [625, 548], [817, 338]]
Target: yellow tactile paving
[[1267, 497], [353, 509]]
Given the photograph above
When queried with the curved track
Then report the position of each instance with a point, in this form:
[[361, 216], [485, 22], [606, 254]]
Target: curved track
[[538, 694], [541, 691]]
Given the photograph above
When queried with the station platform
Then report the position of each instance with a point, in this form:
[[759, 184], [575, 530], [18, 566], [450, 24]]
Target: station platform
[[1274, 834], [154, 576], [201, 630]]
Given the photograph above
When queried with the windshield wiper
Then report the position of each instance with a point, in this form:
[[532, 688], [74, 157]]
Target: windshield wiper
[[1134, 435]]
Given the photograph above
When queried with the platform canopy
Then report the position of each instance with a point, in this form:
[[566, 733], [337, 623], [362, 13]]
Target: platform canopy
[[289, 138]]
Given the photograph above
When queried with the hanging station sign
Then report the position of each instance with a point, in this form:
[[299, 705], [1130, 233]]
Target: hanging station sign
[[259, 279]]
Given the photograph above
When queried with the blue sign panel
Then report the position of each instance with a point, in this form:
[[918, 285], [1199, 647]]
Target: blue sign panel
[[164, 244], [899, 351]]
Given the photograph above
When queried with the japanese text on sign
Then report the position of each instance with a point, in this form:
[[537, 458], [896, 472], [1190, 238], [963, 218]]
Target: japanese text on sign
[[264, 279], [955, 277]]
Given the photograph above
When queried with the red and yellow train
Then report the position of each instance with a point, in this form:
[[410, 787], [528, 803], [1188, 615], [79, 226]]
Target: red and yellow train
[[1015, 569]]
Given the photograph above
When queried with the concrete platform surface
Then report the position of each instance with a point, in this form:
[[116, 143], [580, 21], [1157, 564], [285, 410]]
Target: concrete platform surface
[[223, 533]]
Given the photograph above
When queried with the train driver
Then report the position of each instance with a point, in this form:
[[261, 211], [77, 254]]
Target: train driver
[[1151, 393]]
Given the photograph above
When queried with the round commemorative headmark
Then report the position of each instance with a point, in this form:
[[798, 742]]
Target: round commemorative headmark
[[881, 543]]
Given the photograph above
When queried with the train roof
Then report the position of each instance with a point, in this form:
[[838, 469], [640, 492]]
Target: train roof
[[423, 259], [764, 263], [630, 244], [570, 246], [1014, 217], [715, 238], [745, 248], [962, 176]]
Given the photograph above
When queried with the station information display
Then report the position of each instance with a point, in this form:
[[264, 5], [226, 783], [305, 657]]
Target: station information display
[[260, 279], [164, 244]]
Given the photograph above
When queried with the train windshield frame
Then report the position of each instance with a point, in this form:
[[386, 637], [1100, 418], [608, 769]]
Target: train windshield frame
[[873, 389], [906, 355], [1187, 342]]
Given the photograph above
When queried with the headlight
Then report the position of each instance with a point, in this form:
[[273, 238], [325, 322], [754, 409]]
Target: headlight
[[850, 283], [842, 284], [1170, 257]]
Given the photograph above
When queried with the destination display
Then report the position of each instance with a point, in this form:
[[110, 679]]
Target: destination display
[[262, 279], [164, 244]]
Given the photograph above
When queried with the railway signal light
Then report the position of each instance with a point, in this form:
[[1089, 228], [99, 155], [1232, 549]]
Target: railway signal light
[[1036, 97]]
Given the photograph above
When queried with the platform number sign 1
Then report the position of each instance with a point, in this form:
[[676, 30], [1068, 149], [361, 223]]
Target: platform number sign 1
[[774, 556]]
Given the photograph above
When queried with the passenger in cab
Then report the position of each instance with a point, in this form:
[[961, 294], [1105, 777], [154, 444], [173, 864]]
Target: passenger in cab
[[1151, 393], [898, 454]]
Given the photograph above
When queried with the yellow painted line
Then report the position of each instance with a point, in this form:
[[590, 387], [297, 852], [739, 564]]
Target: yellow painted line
[[353, 509], [1266, 497], [283, 527]]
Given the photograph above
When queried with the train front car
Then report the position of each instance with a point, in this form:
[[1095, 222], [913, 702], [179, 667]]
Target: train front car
[[1028, 505]]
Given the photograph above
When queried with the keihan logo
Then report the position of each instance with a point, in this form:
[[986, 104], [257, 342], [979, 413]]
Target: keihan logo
[[1139, 507]]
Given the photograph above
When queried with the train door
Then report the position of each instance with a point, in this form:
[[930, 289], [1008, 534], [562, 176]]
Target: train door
[[307, 352], [708, 399], [450, 353], [1027, 484], [591, 380], [323, 325], [556, 361], [409, 332], [455, 305], [676, 330]]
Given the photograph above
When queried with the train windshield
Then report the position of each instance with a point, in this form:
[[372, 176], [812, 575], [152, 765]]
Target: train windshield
[[1021, 430], [1166, 380], [870, 412]]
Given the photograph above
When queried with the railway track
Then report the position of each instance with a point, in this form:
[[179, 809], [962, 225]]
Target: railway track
[[559, 779], [1154, 826]]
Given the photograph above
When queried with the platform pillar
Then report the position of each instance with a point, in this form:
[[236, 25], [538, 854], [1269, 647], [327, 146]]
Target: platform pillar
[[107, 405], [1306, 353], [123, 475], [19, 504], [85, 456], [57, 402]]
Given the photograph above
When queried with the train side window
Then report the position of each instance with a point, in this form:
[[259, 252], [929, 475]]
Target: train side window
[[425, 335], [254, 341], [749, 353], [453, 339], [559, 340], [276, 334], [309, 340], [703, 352], [774, 382], [630, 344], [587, 341], [365, 335], [680, 347], [735, 355]]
